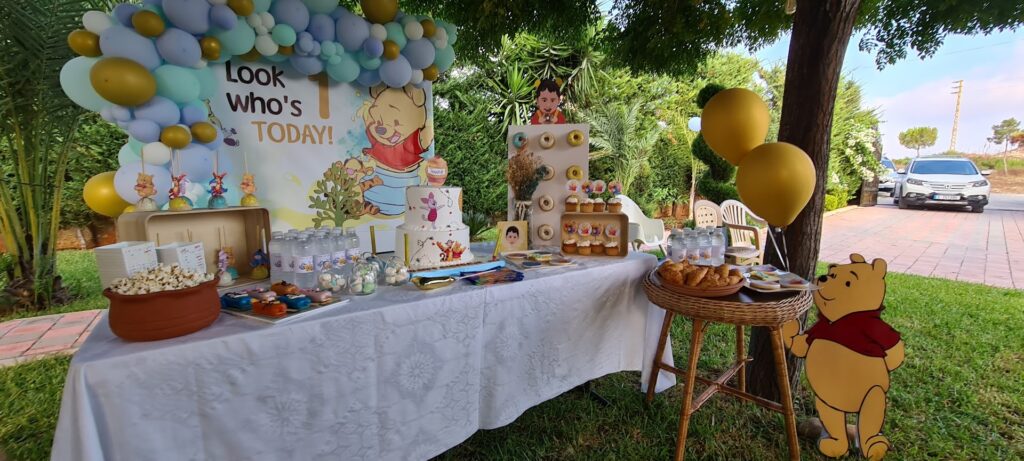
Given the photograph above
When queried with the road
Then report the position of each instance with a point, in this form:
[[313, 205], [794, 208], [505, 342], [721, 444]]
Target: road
[[1004, 202]]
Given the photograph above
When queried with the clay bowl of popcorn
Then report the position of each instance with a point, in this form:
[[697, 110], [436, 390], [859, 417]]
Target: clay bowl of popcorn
[[162, 304]]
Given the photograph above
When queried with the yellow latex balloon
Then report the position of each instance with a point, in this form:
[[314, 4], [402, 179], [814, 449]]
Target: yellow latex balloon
[[148, 23], [176, 137], [429, 28], [85, 43], [101, 197], [210, 47], [734, 122], [203, 132], [286, 50], [251, 55], [129, 209], [380, 11], [122, 81], [391, 50], [242, 7], [431, 73], [776, 181]]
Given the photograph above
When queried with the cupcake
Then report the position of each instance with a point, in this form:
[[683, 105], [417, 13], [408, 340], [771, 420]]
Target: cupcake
[[611, 248], [614, 205], [572, 204], [569, 246], [587, 206], [583, 248], [597, 248], [599, 205]]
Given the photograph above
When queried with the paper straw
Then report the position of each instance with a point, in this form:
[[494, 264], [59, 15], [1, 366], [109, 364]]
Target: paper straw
[[406, 250], [373, 241]]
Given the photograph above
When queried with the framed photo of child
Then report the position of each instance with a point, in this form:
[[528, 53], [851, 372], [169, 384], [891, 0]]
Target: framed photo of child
[[512, 236]]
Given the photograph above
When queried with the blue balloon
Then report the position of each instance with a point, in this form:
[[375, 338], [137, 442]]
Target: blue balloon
[[373, 48], [179, 48], [276, 58], [261, 6], [136, 145], [192, 16], [339, 12], [196, 161], [368, 78], [307, 65], [107, 114], [122, 42], [368, 63], [396, 73], [159, 110], [123, 12], [121, 113], [179, 84], [305, 45], [321, 27], [236, 41], [321, 6], [146, 131], [345, 70], [126, 155], [352, 31], [207, 82], [128, 175], [223, 17], [216, 143], [420, 53], [74, 80], [291, 12], [396, 33], [192, 113], [445, 58], [453, 33], [283, 35]]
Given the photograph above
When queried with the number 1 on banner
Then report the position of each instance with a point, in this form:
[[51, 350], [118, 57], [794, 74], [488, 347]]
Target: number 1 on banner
[[325, 94]]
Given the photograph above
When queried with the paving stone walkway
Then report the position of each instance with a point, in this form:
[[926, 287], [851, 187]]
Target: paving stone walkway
[[27, 339]]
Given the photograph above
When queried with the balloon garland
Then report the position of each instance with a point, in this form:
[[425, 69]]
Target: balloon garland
[[147, 68]]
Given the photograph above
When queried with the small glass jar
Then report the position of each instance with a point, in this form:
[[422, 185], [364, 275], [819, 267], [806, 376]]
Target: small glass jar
[[395, 273], [363, 278]]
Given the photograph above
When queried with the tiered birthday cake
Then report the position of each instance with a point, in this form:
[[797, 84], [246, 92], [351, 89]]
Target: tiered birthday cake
[[433, 234]]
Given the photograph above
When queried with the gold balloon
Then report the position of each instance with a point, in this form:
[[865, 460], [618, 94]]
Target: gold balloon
[[210, 47], [176, 137], [431, 73], [734, 122], [242, 7], [148, 23], [122, 81], [776, 181], [203, 132], [286, 50], [101, 196], [85, 43], [252, 55], [129, 209], [429, 28], [391, 50], [380, 11]]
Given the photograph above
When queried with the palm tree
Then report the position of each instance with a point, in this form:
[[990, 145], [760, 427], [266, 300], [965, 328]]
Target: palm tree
[[617, 131], [37, 126]]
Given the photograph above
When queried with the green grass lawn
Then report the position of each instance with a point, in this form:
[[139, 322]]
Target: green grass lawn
[[958, 396], [77, 269]]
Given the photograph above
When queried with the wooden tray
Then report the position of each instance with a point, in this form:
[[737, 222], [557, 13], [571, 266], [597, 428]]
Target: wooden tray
[[604, 219], [697, 292]]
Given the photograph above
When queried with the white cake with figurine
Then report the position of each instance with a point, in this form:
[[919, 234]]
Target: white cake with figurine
[[433, 235]]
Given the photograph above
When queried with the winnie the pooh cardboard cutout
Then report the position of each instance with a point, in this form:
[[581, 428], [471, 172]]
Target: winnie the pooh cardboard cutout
[[849, 353]]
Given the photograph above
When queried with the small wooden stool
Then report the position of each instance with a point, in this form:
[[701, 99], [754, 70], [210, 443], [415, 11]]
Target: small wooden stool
[[746, 307]]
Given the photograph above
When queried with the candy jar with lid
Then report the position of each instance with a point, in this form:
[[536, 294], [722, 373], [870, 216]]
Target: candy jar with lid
[[363, 278], [395, 271]]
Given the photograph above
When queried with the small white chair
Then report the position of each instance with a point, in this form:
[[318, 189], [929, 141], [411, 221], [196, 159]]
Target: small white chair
[[707, 214], [747, 240], [642, 230]]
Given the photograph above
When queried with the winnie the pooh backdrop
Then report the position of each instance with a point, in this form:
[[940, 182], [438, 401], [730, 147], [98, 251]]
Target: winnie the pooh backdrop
[[849, 353]]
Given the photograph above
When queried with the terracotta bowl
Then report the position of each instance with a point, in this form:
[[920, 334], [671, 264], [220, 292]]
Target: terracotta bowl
[[164, 315]]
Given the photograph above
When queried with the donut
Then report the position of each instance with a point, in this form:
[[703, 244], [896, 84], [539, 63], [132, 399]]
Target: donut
[[545, 232], [519, 140], [576, 138], [547, 140], [546, 203], [574, 172]]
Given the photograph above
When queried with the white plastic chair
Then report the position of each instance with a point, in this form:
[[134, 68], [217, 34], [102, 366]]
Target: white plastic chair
[[747, 241], [707, 214], [642, 230]]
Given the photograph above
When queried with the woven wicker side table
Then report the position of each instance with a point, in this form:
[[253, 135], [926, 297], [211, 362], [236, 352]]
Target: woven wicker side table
[[741, 309]]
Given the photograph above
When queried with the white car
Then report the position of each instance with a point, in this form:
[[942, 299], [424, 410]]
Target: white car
[[940, 181], [887, 180]]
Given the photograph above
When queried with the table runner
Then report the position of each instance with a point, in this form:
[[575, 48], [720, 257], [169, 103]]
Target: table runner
[[402, 374]]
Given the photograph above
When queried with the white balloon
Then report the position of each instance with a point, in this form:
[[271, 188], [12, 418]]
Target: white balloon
[[379, 32], [694, 124], [268, 20], [417, 77], [441, 38], [254, 20], [260, 30], [414, 30], [97, 21], [265, 45], [156, 153]]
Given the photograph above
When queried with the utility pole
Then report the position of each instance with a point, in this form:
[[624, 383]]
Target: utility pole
[[956, 117]]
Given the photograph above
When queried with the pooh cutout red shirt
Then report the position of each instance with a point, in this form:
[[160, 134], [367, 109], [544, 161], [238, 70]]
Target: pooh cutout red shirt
[[862, 332], [399, 157]]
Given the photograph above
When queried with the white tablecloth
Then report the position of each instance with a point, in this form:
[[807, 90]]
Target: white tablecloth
[[401, 374]]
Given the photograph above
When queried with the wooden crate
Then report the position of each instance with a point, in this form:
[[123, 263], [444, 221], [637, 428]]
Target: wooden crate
[[241, 229], [604, 219]]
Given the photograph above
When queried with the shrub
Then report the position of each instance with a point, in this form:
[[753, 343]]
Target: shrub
[[833, 202]]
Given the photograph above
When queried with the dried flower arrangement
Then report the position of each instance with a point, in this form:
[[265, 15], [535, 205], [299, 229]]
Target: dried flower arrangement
[[524, 174]]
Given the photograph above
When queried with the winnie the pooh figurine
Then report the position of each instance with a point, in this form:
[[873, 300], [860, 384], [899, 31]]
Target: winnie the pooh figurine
[[849, 354]]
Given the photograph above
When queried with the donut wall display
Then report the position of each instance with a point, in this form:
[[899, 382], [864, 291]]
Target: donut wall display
[[565, 149]]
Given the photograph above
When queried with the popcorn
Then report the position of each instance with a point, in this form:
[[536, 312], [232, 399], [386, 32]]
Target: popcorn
[[158, 279]]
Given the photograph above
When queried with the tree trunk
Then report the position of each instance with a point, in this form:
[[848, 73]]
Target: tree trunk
[[821, 32], [1006, 150]]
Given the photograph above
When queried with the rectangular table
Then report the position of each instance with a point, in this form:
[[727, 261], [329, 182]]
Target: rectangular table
[[402, 374]]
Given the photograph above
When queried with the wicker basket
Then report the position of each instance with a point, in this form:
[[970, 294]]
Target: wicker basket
[[745, 307]]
